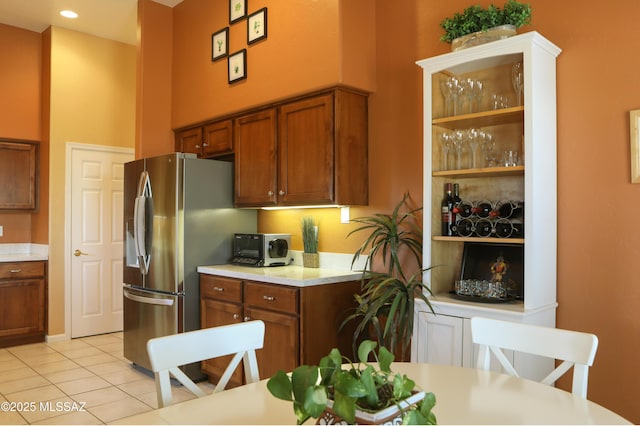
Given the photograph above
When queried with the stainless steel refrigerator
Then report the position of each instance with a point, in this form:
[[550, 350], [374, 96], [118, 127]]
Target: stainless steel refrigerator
[[178, 215]]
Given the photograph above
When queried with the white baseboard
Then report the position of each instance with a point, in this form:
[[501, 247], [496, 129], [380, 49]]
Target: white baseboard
[[56, 338]]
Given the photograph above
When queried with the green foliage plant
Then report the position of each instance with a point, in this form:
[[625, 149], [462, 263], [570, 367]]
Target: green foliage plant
[[475, 18], [309, 235], [359, 386], [385, 306]]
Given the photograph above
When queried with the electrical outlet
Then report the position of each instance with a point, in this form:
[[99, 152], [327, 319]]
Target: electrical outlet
[[1, 230]]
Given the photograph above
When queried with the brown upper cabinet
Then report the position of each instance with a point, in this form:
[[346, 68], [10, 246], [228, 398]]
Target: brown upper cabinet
[[311, 150], [18, 175], [207, 141], [305, 152]]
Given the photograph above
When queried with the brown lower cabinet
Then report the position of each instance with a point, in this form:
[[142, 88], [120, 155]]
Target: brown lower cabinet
[[22, 302], [301, 323]]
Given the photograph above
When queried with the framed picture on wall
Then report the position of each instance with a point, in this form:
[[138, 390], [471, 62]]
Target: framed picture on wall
[[219, 44], [634, 128], [257, 26], [237, 10], [237, 66]]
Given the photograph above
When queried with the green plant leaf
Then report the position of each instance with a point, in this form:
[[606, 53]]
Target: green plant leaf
[[280, 386], [345, 407], [348, 385], [302, 378], [366, 377], [301, 414], [385, 358], [315, 400], [365, 348]]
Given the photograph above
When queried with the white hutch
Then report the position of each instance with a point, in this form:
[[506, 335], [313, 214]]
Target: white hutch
[[530, 129]]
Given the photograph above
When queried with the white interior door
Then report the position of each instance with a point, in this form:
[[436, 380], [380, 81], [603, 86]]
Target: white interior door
[[96, 239]]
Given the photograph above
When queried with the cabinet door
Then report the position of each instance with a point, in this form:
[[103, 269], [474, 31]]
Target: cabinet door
[[306, 151], [215, 313], [440, 339], [281, 342], [190, 141], [22, 304], [18, 174], [217, 139], [255, 159]]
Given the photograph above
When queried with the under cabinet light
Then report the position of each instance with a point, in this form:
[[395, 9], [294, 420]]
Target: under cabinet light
[[69, 14], [324, 206]]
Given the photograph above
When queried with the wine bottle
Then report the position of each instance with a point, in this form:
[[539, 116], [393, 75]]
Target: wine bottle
[[483, 209], [484, 228], [463, 210], [464, 228], [504, 228], [448, 216], [456, 195], [508, 209]]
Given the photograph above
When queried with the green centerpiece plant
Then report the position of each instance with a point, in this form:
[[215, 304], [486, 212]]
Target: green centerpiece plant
[[338, 389]]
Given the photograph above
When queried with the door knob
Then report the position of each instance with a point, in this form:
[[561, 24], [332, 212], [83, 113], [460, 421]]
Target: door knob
[[77, 252]]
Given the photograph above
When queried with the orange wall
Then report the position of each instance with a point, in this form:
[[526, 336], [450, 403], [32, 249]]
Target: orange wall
[[20, 114], [153, 101]]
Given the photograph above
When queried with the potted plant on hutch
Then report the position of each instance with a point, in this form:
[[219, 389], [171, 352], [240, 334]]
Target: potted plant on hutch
[[385, 307], [310, 256], [361, 393], [476, 25]]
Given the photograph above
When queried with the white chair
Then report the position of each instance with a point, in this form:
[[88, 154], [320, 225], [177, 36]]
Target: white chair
[[575, 349], [167, 353]]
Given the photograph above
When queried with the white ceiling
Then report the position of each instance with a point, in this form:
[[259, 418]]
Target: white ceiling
[[110, 19]]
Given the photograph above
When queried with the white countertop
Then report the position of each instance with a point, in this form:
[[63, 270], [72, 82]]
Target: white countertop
[[23, 252], [292, 275]]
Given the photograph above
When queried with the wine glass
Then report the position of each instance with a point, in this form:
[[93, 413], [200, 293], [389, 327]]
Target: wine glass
[[487, 147], [447, 140], [456, 88], [472, 137], [445, 88], [458, 146], [517, 80]]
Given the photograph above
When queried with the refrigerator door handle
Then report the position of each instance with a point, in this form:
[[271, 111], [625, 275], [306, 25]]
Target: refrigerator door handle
[[143, 235], [148, 300]]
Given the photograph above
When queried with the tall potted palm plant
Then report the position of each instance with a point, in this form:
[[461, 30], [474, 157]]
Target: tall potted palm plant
[[385, 307]]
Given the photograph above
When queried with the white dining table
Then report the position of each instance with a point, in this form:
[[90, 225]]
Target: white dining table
[[463, 396]]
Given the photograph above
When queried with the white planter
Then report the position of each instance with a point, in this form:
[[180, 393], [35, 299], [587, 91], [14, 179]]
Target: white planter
[[481, 37]]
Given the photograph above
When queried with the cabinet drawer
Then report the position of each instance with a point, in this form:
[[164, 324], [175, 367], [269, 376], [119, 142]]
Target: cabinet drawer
[[272, 297], [10, 270], [220, 288]]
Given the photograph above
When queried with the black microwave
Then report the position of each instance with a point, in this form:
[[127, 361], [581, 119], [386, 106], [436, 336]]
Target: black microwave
[[261, 249]]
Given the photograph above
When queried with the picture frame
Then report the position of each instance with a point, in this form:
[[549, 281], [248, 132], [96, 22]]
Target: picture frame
[[237, 10], [477, 259], [220, 44], [634, 134], [237, 66], [257, 26]]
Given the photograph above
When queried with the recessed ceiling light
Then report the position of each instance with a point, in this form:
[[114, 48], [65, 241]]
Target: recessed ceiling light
[[69, 14]]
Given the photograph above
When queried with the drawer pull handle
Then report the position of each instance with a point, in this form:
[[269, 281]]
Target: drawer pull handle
[[218, 288], [15, 271], [269, 298], [247, 318], [236, 316]]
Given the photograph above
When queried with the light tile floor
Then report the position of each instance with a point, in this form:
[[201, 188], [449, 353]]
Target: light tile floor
[[80, 381]]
